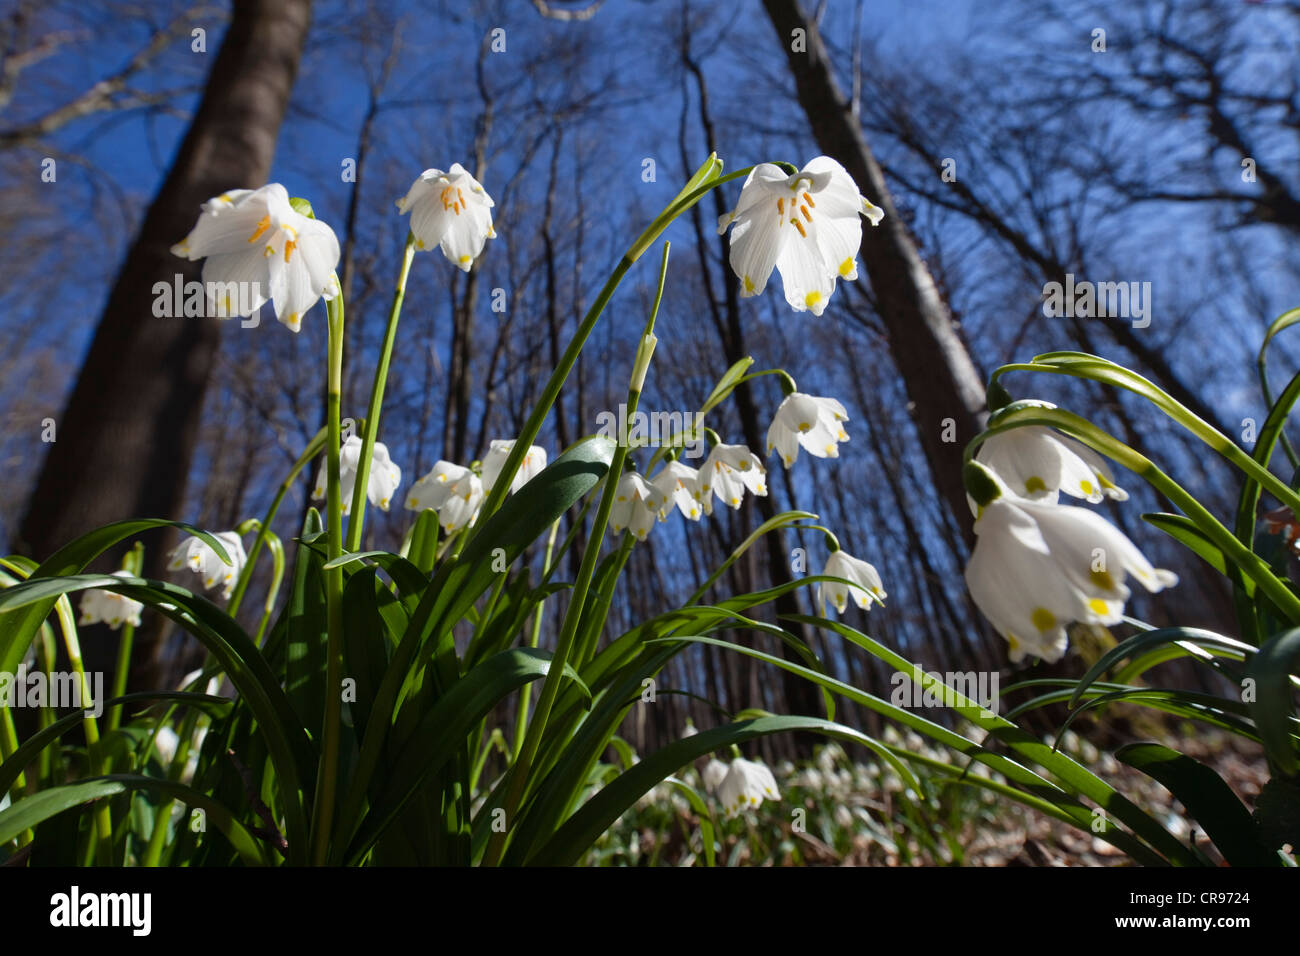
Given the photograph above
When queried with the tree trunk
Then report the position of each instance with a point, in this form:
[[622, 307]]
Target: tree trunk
[[940, 377], [128, 431]]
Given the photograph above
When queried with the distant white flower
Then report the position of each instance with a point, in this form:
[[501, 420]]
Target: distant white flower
[[450, 210], [195, 554], [254, 241], [678, 485], [866, 583], [715, 771], [213, 685], [728, 472], [746, 785], [1037, 567], [165, 744], [109, 607], [807, 420], [810, 779], [453, 491], [385, 476], [1037, 462], [636, 506], [499, 450], [806, 225]]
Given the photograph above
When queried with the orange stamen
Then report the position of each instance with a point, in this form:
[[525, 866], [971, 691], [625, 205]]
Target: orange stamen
[[798, 225], [263, 224]]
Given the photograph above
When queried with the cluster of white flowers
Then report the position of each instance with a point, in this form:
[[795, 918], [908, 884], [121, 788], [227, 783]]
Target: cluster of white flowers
[[108, 607], [1039, 565], [381, 485], [728, 472], [259, 248], [456, 492]]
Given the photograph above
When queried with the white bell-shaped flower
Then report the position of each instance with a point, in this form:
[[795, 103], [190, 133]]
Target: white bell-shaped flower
[[636, 506], [257, 248], [805, 225], [453, 491], [815, 423], [109, 607], [746, 785], [498, 451], [384, 478], [866, 585], [678, 485], [451, 210], [195, 554], [1037, 567], [728, 472], [1039, 463], [714, 772], [165, 744]]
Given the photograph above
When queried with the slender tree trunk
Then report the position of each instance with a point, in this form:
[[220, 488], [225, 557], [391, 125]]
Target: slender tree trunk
[[128, 432], [941, 379]]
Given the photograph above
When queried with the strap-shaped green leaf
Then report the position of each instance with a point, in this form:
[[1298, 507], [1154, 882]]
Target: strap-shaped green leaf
[[1272, 707], [1207, 798]]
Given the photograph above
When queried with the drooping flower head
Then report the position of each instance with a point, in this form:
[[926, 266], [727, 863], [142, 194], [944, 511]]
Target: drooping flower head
[[453, 491], [1036, 462], [498, 451], [255, 241], [382, 484], [805, 225], [1037, 567], [451, 210], [678, 486], [728, 472], [195, 553], [746, 785], [866, 585], [715, 771], [636, 506], [815, 423], [109, 607]]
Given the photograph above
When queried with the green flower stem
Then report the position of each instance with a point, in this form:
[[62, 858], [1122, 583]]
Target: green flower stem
[[704, 180], [1286, 319], [1101, 441], [526, 692], [577, 602], [8, 745], [162, 816], [264, 526], [133, 562], [277, 576], [1110, 374], [357, 520], [327, 775], [103, 840]]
